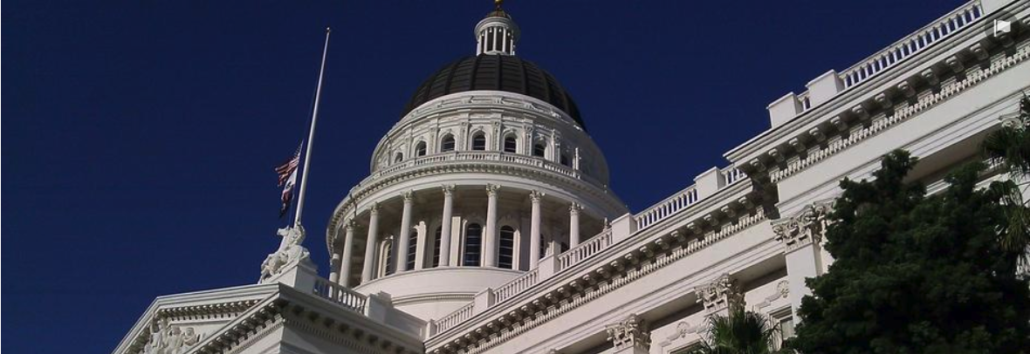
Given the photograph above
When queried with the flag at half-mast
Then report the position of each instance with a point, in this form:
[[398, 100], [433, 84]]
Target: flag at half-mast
[[287, 179]]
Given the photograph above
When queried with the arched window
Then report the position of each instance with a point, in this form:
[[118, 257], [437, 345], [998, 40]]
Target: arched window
[[387, 256], [565, 160], [447, 143], [412, 246], [479, 141], [436, 246], [473, 245], [506, 256], [398, 158], [511, 144], [539, 150], [420, 149]]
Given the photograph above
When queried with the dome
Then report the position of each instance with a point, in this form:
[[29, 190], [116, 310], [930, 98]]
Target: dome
[[499, 73]]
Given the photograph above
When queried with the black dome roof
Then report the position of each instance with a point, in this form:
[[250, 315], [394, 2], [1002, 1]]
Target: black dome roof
[[499, 73]]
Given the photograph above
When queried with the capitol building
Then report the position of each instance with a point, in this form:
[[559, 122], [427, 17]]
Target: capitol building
[[487, 223]]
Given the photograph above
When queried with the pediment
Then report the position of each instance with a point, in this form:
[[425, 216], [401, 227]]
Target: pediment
[[174, 323]]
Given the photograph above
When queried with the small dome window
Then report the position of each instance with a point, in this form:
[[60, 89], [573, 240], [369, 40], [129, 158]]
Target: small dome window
[[479, 141], [420, 149], [447, 143], [539, 150], [511, 144]]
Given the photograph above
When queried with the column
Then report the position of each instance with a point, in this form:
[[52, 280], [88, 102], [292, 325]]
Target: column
[[404, 235], [370, 244], [534, 230], [334, 267], [445, 226], [574, 224], [490, 239], [801, 236], [348, 252]]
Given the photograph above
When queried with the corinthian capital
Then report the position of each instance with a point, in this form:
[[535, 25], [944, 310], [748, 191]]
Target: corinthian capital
[[628, 333], [720, 293], [803, 228]]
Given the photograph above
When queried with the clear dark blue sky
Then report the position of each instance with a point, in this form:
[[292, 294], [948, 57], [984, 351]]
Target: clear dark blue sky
[[139, 137]]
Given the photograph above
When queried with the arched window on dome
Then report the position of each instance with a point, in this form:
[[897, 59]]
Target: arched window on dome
[[398, 157], [420, 149], [506, 256], [436, 246], [386, 256], [479, 141], [511, 144], [540, 150], [447, 143], [412, 247], [473, 245]]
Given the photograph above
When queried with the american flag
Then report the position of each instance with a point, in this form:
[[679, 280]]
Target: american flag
[[287, 179]]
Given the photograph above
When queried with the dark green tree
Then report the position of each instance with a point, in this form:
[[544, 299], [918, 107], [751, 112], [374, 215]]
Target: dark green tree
[[1009, 147], [742, 332], [915, 273]]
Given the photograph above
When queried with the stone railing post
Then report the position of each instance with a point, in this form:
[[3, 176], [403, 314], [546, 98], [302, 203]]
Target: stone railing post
[[709, 182], [623, 227], [484, 299]]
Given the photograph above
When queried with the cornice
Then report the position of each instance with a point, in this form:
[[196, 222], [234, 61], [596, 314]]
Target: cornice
[[901, 115], [313, 315], [859, 94], [208, 304]]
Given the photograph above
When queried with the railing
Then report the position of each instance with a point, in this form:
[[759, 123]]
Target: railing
[[585, 250], [482, 156], [667, 207], [454, 318], [340, 295], [732, 175], [912, 44], [515, 286]]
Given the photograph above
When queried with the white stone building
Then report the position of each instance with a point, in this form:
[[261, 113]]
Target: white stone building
[[487, 224]]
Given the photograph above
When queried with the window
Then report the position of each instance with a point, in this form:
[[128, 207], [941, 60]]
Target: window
[[510, 144], [479, 141], [565, 160], [447, 143], [539, 150], [420, 149], [506, 256], [544, 245], [563, 247], [785, 320], [398, 158], [473, 245], [412, 246], [387, 250], [436, 247]]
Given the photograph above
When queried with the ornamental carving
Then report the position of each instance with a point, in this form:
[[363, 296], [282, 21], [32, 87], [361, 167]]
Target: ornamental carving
[[629, 333], [165, 339], [806, 227], [721, 293], [290, 252]]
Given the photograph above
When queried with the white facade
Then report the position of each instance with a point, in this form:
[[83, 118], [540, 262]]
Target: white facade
[[487, 225]]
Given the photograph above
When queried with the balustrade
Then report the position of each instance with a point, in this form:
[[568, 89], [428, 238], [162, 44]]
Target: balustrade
[[342, 296]]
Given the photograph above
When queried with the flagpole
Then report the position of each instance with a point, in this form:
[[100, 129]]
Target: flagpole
[[311, 134]]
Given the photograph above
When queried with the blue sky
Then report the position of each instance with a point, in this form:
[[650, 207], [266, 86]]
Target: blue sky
[[140, 137]]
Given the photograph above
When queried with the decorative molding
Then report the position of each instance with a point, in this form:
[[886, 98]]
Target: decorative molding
[[807, 226], [719, 294], [901, 114], [682, 330], [782, 291], [628, 333]]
